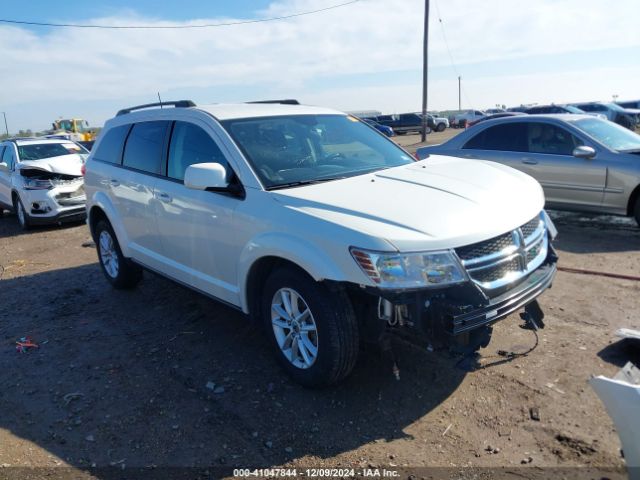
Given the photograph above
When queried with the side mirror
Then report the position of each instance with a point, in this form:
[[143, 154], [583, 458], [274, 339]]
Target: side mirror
[[205, 176], [4, 167], [584, 152]]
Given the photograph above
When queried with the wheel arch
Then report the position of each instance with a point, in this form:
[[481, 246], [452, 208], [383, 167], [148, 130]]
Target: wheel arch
[[632, 200], [256, 277], [102, 208], [263, 255]]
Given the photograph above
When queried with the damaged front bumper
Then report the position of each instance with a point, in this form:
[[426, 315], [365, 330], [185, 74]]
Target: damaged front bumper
[[64, 202], [460, 315]]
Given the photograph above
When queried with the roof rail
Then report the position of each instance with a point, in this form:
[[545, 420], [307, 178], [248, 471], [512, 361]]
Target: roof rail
[[14, 139], [286, 101], [176, 104]]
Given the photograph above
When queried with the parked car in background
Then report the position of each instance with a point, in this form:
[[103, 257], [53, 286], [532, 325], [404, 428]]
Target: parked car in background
[[467, 116], [583, 163], [305, 219], [41, 180], [493, 111], [402, 123], [634, 104], [388, 131], [612, 111], [495, 115], [521, 108], [438, 124], [554, 108]]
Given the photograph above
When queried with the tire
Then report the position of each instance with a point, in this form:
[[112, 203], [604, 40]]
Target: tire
[[21, 213], [636, 211], [330, 328], [121, 272], [440, 127]]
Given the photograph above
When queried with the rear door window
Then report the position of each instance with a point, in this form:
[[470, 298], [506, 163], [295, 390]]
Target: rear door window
[[110, 147], [189, 145], [144, 147], [510, 137]]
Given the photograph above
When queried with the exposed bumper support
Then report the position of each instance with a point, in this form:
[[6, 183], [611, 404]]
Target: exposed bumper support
[[459, 316], [507, 303], [77, 214]]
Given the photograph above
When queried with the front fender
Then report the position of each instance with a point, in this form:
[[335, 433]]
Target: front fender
[[102, 201], [316, 261]]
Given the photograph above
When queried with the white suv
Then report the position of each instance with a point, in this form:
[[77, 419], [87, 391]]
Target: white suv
[[317, 226], [41, 180]]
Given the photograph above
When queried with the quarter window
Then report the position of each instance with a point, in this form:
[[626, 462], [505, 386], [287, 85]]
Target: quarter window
[[110, 147], [143, 150], [190, 144], [510, 137]]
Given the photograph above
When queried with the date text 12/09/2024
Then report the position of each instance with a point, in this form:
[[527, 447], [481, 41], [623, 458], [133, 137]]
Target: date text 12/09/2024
[[315, 473]]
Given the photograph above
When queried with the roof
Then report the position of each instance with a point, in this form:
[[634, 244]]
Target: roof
[[228, 111], [29, 141], [567, 117]]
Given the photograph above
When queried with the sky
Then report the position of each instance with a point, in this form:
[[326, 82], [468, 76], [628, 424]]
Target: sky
[[363, 56]]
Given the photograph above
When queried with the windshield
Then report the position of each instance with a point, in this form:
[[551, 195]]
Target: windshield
[[573, 109], [610, 134], [40, 151], [298, 149]]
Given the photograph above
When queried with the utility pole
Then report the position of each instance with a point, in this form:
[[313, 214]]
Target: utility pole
[[5, 123], [459, 96], [425, 63]]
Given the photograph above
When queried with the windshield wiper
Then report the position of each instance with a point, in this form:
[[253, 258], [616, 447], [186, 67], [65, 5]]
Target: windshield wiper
[[301, 183]]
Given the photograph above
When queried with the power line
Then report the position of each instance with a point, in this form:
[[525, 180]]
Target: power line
[[173, 27], [446, 44]]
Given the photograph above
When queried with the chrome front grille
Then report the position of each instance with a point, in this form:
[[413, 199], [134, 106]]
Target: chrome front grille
[[507, 258]]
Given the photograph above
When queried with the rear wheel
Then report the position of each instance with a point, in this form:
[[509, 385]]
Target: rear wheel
[[312, 329], [23, 217], [121, 272]]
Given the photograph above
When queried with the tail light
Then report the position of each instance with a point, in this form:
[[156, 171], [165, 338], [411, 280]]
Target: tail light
[[83, 169]]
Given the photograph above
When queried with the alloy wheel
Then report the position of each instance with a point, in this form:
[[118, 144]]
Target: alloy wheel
[[108, 254], [294, 328]]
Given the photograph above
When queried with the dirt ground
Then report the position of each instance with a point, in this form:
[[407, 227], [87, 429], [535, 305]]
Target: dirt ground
[[163, 377]]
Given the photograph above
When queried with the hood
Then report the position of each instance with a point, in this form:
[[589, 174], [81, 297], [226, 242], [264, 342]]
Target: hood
[[440, 202], [63, 164]]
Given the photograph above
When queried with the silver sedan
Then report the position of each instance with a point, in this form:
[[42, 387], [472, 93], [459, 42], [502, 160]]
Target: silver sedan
[[583, 163]]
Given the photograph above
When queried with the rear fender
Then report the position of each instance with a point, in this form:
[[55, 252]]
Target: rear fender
[[102, 201]]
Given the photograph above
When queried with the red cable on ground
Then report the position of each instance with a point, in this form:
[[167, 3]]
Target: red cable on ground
[[600, 274]]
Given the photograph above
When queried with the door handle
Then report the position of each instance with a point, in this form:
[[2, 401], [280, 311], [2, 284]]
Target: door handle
[[529, 161], [114, 182], [164, 197]]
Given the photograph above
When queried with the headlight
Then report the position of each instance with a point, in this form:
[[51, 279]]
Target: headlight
[[37, 184], [410, 270], [551, 228]]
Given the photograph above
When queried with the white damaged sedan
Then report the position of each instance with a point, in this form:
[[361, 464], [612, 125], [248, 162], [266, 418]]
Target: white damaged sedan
[[41, 180]]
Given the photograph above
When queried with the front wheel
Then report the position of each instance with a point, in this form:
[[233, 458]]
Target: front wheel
[[636, 211], [23, 217], [441, 127], [121, 272], [312, 328]]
